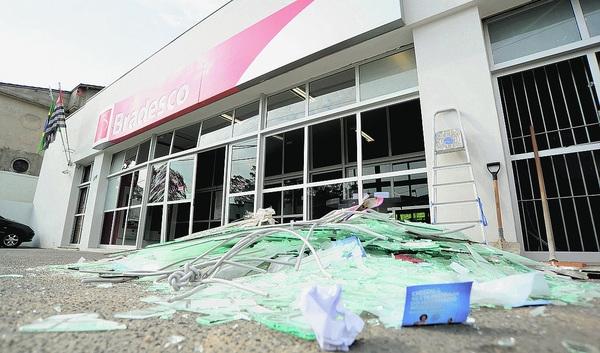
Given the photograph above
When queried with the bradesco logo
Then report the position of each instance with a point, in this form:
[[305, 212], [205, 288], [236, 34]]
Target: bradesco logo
[[164, 105]]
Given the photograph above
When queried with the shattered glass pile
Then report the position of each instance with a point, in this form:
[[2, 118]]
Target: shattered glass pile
[[256, 272]]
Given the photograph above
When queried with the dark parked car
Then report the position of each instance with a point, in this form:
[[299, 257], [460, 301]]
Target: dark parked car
[[12, 233]]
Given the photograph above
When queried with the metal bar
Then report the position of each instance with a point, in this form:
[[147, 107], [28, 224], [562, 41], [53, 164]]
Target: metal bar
[[545, 208], [577, 95]]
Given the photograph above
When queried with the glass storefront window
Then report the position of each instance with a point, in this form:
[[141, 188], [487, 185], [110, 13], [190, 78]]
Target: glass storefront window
[[181, 174], [130, 158], [216, 129], [139, 183], [153, 225], [545, 26], [332, 91], [185, 138], [332, 146], [117, 162], [178, 220], [163, 145], [246, 119], [286, 204], [388, 75], [391, 133], [131, 229], [157, 183], [591, 12], [243, 166], [112, 190], [286, 106], [284, 158], [326, 198], [124, 190], [143, 152], [239, 206]]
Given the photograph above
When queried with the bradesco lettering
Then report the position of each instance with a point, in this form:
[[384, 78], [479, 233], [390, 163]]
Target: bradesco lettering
[[152, 110]]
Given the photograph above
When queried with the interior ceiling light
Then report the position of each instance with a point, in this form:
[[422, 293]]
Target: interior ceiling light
[[228, 117], [367, 137]]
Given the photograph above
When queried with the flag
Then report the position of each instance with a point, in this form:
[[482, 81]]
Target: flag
[[55, 121]]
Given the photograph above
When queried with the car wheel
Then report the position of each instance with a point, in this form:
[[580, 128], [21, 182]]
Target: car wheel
[[10, 240]]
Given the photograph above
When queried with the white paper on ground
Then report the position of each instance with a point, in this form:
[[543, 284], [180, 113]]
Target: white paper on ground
[[72, 323], [510, 291], [335, 326]]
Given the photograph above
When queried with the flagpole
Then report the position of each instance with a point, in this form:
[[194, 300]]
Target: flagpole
[[60, 132], [69, 163]]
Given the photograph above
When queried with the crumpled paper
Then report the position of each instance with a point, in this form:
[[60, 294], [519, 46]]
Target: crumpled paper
[[335, 326]]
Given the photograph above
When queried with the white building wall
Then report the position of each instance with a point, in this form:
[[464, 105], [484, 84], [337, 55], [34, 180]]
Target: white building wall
[[16, 198], [453, 71]]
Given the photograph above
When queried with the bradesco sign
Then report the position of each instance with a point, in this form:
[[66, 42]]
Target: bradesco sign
[[295, 33]]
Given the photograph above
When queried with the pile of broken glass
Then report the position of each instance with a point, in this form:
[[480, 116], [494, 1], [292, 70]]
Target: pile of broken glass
[[256, 270]]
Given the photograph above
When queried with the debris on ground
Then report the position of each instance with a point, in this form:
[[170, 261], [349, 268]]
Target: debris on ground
[[255, 270], [11, 276], [174, 341], [72, 323]]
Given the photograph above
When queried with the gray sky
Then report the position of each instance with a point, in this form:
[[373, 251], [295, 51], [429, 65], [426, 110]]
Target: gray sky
[[71, 41]]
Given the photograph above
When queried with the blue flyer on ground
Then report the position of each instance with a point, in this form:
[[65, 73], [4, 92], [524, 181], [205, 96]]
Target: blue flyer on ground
[[431, 304]]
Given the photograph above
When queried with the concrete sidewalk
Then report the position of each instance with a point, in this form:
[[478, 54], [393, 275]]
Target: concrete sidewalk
[[40, 293]]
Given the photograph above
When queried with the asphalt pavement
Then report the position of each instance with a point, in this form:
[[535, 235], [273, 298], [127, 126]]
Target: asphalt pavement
[[41, 293]]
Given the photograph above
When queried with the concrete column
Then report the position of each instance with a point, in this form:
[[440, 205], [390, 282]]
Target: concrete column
[[94, 214], [453, 71]]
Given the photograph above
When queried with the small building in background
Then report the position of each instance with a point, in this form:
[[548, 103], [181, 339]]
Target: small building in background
[[23, 111]]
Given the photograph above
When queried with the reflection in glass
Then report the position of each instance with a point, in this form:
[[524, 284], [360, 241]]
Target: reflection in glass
[[163, 145], [185, 138], [239, 206], [130, 158], [591, 12], [143, 152], [181, 173], [133, 220], [388, 75], [243, 166], [153, 225], [286, 106], [547, 25], [246, 119], [326, 198], [117, 162], [157, 183], [216, 129], [331, 92], [112, 190], [178, 220], [139, 183]]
